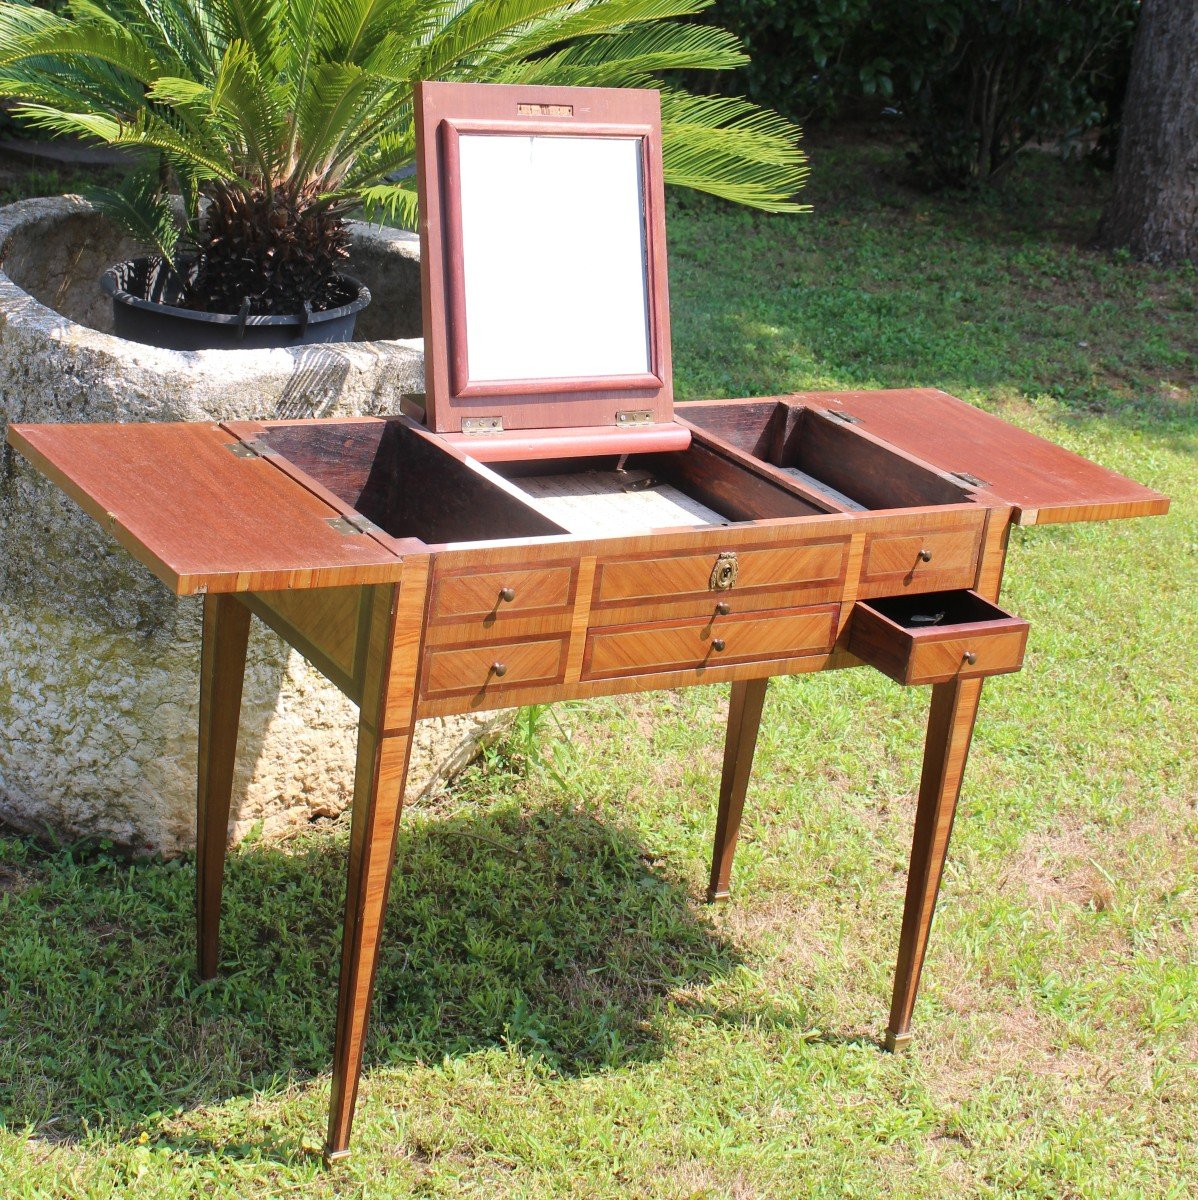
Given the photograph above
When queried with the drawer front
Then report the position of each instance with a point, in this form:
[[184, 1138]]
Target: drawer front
[[492, 669], [932, 561], [762, 576], [982, 653], [685, 645], [485, 593], [979, 638]]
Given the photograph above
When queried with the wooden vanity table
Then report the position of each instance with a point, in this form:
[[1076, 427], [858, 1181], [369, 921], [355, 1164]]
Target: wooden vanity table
[[532, 537]]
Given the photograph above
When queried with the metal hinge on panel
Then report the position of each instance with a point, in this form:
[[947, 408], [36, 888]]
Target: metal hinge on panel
[[634, 416], [837, 415], [972, 480], [252, 448], [354, 523], [482, 425]]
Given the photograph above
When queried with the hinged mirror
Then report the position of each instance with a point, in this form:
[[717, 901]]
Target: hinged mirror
[[543, 256]]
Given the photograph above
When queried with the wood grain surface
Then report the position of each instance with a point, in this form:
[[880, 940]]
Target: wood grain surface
[[1045, 483], [222, 669], [951, 718], [441, 107], [201, 518]]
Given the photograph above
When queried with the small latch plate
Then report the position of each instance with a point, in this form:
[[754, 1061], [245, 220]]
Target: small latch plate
[[479, 425], [251, 448], [353, 524], [634, 416], [972, 480], [723, 574], [837, 415]]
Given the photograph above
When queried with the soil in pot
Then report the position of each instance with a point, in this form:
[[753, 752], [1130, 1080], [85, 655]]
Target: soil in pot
[[145, 294]]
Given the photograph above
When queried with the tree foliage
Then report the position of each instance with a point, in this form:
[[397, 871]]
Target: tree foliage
[[976, 79]]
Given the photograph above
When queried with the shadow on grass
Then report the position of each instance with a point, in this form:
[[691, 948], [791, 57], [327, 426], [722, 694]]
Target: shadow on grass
[[545, 931]]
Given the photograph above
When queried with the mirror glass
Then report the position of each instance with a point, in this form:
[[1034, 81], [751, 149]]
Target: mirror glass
[[553, 250]]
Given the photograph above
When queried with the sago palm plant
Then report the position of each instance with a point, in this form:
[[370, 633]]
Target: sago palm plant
[[287, 115]]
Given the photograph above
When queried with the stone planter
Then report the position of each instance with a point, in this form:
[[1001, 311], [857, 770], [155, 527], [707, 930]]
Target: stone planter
[[98, 662]]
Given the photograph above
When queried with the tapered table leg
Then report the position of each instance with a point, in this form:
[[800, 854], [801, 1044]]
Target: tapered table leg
[[222, 669], [950, 728], [744, 720], [378, 795], [384, 745]]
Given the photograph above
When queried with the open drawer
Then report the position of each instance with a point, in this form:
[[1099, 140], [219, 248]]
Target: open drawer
[[936, 637]]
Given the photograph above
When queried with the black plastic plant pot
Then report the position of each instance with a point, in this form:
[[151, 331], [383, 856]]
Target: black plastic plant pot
[[142, 291]]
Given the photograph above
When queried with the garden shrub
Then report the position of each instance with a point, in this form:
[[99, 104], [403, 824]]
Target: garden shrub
[[976, 80]]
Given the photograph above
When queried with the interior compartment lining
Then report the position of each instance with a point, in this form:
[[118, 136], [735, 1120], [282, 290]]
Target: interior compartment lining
[[613, 503], [934, 610]]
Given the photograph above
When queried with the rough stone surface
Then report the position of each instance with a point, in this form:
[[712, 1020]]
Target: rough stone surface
[[98, 662]]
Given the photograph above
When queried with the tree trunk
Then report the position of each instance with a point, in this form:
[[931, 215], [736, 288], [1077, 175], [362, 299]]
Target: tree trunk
[[1154, 208]]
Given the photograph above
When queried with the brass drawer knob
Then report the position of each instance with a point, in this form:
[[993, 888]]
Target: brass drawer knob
[[970, 657], [507, 595], [499, 668], [718, 644], [722, 609], [925, 556]]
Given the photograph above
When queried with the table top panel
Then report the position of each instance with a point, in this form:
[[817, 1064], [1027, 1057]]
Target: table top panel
[[1045, 483], [199, 516]]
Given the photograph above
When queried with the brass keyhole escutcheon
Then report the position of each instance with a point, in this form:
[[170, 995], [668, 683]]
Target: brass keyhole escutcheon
[[723, 574]]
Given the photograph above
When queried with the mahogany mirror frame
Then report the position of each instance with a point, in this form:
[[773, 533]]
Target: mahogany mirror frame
[[443, 113]]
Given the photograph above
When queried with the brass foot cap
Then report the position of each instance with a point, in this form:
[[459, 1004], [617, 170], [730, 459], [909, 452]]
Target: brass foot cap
[[335, 1156], [896, 1043], [718, 897]]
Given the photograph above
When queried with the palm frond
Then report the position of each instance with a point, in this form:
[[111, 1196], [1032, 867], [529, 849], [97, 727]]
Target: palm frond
[[618, 59], [71, 124], [246, 103], [294, 103], [103, 43], [732, 149], [393, 202], [589, 19], [257, 23], [460, 44], [139, 207]]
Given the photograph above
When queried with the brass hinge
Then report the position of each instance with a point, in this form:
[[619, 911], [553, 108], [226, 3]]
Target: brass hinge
[[837, 415], [972, 480], [634, 416], [354, 523], [252, 448], [477, 425]]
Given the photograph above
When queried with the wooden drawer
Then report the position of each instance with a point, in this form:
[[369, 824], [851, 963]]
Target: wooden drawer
[[920, 562], [969, 637], [679, 585], [480, 606], [483, 593], [683, 645], [492, 669]]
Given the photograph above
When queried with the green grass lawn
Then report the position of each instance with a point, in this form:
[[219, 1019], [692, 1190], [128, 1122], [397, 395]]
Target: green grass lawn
[[557, 1013]]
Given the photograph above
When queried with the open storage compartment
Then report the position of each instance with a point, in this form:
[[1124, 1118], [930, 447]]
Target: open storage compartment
[[411, 484], [618, 495], [937, 636], [402, 480], [823, 457]]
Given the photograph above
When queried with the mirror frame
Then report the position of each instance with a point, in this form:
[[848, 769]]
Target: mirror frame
[[444, 112]]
